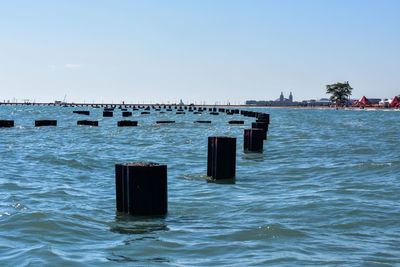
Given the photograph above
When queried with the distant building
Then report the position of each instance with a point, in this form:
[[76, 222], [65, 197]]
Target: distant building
[[281, 98], [281, 101], [322, 102]]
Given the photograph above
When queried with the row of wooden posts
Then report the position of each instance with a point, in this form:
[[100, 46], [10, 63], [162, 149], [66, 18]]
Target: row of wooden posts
[[141, 188], [108, 112]]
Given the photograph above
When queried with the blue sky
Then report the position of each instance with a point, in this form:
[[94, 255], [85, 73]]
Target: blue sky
[[200, 51]]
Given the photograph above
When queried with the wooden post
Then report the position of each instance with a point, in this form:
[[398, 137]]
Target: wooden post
[[6, 123], [253, 140], [163, 122], [236, 122], [127, 123], [82, 112], [221, 162], [263, 118], [141, 188], [90, 123], [108, 114], [126, 114], [261, 125], [39, 123]]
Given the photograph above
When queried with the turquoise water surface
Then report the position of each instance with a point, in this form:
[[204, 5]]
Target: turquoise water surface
[[325, 191]]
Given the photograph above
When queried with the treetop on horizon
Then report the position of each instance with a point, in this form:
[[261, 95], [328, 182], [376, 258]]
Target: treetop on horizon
[[340, 92]]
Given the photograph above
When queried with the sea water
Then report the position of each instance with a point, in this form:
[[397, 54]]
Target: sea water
[[324, 192]]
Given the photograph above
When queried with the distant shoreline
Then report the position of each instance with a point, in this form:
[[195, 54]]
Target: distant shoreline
[[177, 105]]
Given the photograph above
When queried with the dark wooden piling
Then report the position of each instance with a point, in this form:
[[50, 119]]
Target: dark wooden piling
[[261, 125], [39, 123], [141, 188], [263, 118], [126, 114], [253, 140], [162, 122], [221, 163], [6, 123], [81, 112], [236, 122], [127, 123], [90, 123], [108, 114]]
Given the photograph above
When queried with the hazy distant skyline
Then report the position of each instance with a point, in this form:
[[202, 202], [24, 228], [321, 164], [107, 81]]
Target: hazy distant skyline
[[212, 51]]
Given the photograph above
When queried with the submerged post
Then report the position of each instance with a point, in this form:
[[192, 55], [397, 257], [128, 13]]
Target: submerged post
[[264, 117], [39, 123], [221, 163], [261, 125], [108, 113], [126, 114], [86, 122], [141, 188], [127, 123], [253, 140], [6, 123]]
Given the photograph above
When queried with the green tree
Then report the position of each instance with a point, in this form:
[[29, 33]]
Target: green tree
[[340, 92]]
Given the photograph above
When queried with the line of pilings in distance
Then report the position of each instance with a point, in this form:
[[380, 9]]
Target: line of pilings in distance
[[109, 112]]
